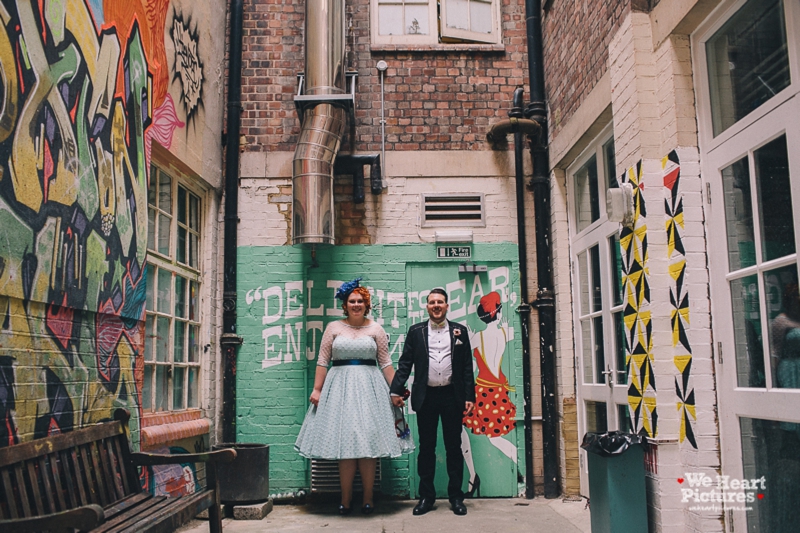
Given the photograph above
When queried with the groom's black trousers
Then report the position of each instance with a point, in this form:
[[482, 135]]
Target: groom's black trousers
[[440, 404]]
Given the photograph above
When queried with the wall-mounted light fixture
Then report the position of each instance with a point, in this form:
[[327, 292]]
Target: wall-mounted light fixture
[[453, 236], [619, 204]]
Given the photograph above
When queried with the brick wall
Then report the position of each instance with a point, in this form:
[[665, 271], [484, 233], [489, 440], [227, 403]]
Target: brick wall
[[435, 100], [576, 38]]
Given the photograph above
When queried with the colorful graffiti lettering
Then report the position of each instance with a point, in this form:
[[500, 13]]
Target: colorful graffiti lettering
[[81, 84], [286, 303]]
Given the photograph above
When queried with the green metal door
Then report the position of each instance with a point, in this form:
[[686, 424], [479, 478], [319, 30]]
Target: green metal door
[[492, 439]]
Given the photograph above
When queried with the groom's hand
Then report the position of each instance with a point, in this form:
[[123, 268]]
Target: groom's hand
[[468, 408], [398, 401]]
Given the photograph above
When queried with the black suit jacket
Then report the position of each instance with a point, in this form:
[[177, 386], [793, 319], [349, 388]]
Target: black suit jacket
[[415, 354]]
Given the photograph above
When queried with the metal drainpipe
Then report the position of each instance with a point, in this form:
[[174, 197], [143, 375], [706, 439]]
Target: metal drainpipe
[[545, 300], [230, 341], [524, 308], [520, 126]]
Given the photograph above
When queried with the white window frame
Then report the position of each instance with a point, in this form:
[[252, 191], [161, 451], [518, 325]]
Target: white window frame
[[760, 126], [716, 20], [439, 34], [169, 262], [610, 389]]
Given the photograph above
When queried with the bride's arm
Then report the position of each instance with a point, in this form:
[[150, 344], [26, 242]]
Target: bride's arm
[[384, 359]]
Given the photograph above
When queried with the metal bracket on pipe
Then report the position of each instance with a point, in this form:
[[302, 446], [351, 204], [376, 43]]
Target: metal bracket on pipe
[[346, 100], [230, 340], [354, 164]]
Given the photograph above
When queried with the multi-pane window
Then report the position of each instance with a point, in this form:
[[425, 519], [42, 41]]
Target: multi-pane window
[[748, 62], [748, 101], [172, 343], [762, 263], [600, 329], [419, 22]]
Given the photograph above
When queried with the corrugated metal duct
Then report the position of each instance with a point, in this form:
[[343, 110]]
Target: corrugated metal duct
[[323, 125]]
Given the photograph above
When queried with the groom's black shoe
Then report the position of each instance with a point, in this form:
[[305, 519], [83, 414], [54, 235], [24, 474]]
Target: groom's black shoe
[[424, 505], [458, 507]]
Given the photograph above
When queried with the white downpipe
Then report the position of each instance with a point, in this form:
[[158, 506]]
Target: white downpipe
[[382, 66]]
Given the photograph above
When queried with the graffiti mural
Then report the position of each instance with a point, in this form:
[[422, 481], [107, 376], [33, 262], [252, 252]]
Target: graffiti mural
[[287, 306], [637, 314], [84, 94], [188, 68], [679, 296], [172, 480], [495, 413]]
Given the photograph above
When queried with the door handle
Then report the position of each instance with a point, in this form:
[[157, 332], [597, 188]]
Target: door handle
[[607, 373]]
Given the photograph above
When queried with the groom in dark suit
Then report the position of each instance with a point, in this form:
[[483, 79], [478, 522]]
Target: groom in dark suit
[[444, 388]]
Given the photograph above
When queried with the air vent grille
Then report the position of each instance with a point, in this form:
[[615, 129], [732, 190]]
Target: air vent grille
[[452, 210], [325, 476]]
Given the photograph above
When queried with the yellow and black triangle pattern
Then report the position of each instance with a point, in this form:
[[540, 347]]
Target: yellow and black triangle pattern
[[636, 313], [679, 296]]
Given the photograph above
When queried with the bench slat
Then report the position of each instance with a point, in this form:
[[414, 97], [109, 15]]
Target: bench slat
[[99, 485], [133, 515], [10, 455], [85, 470], [126, 503], [77, 477], [115, 467], [9, 493], [71, 487], [49, 500], [59, 486], [168, 518], [22, 491], [36, 505], [104, 472], [109, 472], [123, 470]]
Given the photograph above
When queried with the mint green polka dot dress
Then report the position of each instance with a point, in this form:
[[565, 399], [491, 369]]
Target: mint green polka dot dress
[[354, 418]]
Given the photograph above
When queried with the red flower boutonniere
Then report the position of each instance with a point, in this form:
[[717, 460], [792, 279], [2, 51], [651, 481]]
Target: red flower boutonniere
[[456, 332]]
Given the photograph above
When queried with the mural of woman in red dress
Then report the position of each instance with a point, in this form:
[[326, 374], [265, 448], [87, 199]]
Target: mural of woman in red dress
[[494, 413]]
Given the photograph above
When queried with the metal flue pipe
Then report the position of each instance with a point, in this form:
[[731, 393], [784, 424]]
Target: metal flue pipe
[[323, 125]]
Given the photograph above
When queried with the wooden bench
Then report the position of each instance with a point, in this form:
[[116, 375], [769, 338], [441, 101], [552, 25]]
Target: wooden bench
[[88, 480]]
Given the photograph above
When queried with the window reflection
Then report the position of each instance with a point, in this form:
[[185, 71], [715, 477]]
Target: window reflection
[[783, 308], [745, 302], [774, 200], [587, 200], [771, 450], [748, 62], [596, 417], [739, 215]]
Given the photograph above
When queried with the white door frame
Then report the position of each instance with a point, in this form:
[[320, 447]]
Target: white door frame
[[609, 384], [776, 117]]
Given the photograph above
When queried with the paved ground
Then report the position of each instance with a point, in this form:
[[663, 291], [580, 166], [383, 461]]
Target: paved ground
[[484, 516]]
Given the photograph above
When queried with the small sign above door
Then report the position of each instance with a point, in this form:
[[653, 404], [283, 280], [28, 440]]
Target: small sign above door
[[454, 252]]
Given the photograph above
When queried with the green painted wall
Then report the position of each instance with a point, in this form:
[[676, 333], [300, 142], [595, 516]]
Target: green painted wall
[[286, 299]]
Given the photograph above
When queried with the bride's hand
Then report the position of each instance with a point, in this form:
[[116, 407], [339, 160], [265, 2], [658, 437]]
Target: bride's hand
[[314, 399]]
